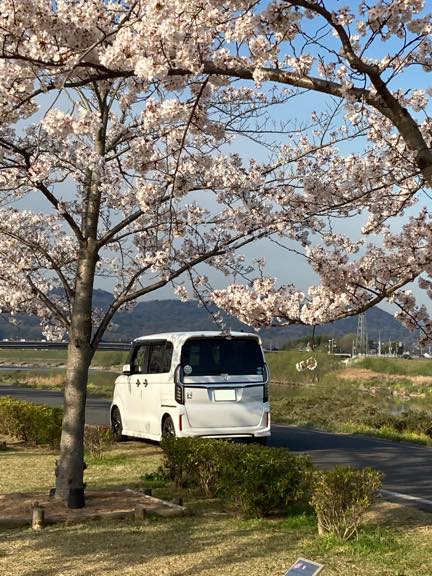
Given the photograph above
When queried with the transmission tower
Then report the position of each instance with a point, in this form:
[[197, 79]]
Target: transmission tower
[[361, 343]]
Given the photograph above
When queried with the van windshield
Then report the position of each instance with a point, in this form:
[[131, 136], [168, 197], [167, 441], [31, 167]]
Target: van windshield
[[211, 356]]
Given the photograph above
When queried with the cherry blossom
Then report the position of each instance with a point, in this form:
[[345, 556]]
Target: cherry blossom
[[126, 125]]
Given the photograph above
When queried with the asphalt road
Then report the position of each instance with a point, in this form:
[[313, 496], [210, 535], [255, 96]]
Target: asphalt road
[[407, 468], [97, 409]]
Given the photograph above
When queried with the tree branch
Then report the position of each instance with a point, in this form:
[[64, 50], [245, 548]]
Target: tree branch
[[49, 303]]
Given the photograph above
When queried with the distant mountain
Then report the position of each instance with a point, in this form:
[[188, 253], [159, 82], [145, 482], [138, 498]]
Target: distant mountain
[[172, 315]]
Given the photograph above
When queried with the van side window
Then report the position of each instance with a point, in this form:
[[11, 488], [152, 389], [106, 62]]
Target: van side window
[[160, 358], [168, 357], [152, 358], [140, 359]]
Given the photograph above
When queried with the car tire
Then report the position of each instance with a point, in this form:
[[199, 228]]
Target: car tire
[[168, 430], [117, 425]]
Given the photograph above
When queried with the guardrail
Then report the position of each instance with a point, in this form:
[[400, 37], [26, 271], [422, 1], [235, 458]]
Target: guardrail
[[38, 345]]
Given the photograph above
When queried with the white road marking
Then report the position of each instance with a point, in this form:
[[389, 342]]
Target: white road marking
[[406, 497]]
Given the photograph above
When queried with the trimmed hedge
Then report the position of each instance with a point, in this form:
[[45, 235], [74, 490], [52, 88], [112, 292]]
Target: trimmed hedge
[[29, 422], [207, 460], [255, 480], [177, 453], [259, 480], [195, 461]]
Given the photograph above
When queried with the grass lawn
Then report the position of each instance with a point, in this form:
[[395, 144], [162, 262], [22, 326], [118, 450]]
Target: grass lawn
[[33, 468], [283, 366], [100, 382], [394, 541], [46, 369], [56, 357], [400, 366]]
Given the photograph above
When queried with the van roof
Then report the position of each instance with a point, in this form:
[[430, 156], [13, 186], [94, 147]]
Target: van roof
[[181, 337]]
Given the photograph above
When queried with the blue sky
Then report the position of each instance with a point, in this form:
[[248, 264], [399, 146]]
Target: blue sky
[[288, 267]]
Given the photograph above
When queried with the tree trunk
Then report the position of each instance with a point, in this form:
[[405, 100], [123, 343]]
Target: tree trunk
[[70, 466]]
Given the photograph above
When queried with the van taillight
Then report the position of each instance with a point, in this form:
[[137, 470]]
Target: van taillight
[[266, 392], [267, 420], [178, 381], [179, 393], [180, 423], [266, 376]]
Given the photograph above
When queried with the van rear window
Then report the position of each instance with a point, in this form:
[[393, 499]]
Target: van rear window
[[210, 356]]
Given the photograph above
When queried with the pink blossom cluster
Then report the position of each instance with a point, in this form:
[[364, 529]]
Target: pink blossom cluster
[[128, 121]]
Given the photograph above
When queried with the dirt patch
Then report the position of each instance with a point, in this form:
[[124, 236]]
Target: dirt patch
[[16, 509], [397, 514], [369, 375]]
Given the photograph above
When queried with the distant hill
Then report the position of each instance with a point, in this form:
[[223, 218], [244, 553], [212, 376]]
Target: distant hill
[[171, 315]]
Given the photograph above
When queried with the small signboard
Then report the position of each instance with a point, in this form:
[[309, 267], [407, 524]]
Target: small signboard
[[302, 567]]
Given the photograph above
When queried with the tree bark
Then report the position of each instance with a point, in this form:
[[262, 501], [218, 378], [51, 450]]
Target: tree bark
[[70, 466]]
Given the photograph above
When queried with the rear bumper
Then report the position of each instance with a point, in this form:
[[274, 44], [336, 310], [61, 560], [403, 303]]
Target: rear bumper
[[260, 431], [183, 428], [212, 434]]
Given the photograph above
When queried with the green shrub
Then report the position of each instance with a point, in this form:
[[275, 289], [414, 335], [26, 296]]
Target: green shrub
[[159, 475], [97, 439], [255, 480], [259, 481], [409, 420], [32, 423], [176, 460], [341, 497], [206, 461], [190, 461]]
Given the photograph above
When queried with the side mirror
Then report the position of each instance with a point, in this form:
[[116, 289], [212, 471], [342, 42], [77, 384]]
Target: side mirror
[[126, 369]]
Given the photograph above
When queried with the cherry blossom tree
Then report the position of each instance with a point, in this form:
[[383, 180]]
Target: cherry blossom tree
[[120, 118], [115, 176], [375, 58]]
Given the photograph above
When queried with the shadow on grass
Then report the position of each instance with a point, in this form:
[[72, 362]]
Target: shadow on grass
[[213, 543], [190, 545]]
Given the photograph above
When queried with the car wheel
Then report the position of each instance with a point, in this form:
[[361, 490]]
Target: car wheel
[[168, 430], [117, 425]]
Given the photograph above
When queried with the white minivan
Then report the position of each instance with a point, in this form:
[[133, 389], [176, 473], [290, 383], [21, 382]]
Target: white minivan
[[212, 384]]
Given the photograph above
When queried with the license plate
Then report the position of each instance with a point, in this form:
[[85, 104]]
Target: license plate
[[224, 395]]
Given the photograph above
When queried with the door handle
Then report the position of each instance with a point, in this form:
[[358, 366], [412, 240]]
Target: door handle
[[145, 383], [138, 383]]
